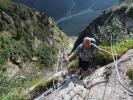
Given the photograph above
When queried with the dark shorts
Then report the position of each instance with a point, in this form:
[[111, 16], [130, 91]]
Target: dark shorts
[[84, 64]]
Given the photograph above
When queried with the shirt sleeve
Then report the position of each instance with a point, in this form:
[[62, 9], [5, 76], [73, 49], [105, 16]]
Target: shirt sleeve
[[96, 48], [78, 49]]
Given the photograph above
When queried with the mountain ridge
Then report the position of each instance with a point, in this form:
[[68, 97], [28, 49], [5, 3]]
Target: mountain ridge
[[73, 15]]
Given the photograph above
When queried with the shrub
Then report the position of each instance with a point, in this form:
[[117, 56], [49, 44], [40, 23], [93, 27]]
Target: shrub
[[129, 73], [73, 66], [121, 47], [121, 8], [127, 1], [129, 11], [11, 89], [46, 55]]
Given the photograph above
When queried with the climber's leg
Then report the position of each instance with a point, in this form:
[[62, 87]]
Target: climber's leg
[[84, 65]]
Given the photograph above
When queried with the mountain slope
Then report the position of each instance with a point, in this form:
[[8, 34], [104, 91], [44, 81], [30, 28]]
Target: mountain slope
[[56, 9], [28, 36]]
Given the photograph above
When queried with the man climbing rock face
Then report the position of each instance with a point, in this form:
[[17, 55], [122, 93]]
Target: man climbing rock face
[[84, 52]]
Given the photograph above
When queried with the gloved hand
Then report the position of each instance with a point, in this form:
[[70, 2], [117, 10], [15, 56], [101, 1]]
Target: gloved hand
[[115, 55], [66, 61]]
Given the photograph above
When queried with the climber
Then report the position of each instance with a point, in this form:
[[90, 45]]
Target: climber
[[84, 52]]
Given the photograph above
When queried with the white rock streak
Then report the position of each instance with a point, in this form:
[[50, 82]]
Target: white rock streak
[[71, 8], [90, 9]]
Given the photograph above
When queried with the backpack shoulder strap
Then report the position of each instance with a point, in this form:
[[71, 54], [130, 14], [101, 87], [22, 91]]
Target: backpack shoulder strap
[[82, 48], [92, 54], [91, 50]]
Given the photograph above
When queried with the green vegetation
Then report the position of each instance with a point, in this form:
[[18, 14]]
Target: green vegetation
[[17, 89], [114, 32], [33, 81], [26, 36], [26, 33], [100, 58], [13, 49], [41, 86], [124, 8], [11, 89], [73, 66], [119, 48], [127, 1], [129, 11], [6, 3], [121, 8], [129, 73]]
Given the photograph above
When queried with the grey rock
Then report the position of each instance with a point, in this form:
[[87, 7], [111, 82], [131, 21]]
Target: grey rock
[[95, 86]]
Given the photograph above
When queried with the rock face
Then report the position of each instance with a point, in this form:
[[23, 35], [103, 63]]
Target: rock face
[[102, 84]]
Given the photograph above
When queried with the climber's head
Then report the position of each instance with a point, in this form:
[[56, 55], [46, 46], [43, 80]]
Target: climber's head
[[86, 42]]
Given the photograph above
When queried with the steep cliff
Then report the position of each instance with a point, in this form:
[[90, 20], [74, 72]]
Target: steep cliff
[[28, 38]]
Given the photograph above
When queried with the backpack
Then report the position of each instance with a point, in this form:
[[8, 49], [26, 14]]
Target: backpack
[[93, 40]]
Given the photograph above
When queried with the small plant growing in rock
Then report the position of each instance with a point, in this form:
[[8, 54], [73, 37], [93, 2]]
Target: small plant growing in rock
[[129, 73], [73, 66]]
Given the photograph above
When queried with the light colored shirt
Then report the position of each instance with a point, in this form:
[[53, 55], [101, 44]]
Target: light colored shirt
[[86, 53]]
